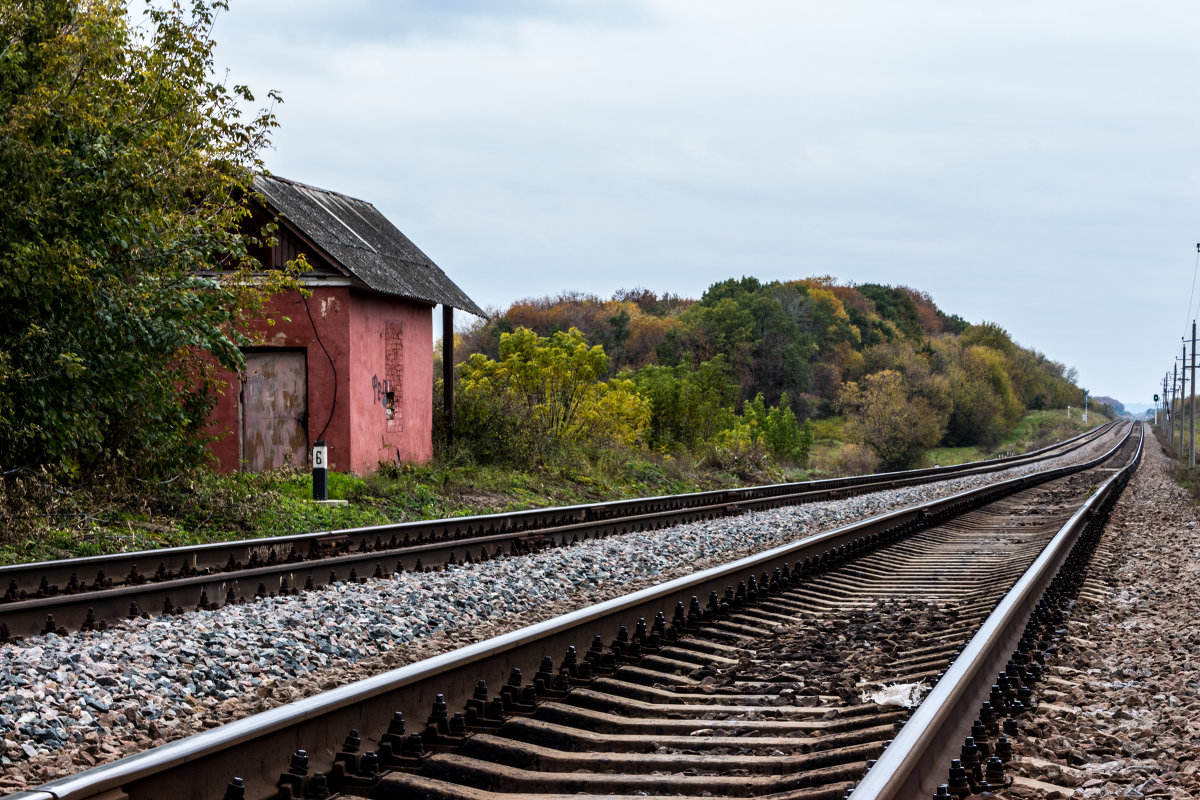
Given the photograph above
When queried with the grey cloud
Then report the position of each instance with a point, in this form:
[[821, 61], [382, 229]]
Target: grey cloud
[[319, 22]]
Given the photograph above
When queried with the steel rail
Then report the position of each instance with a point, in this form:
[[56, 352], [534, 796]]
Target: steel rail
[[192, 576], [253, 748], [917, 761]]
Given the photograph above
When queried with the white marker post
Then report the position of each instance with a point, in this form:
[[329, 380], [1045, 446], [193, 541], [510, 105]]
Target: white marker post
[[320, 463]]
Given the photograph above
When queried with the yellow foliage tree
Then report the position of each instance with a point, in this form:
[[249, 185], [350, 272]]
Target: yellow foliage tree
[[546, 392]]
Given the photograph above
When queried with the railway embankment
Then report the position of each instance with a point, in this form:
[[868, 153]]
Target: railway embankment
[[1120, 715]]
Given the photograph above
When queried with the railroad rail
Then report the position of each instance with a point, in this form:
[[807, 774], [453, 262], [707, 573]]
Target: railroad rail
[[729, 697], [86, 593]]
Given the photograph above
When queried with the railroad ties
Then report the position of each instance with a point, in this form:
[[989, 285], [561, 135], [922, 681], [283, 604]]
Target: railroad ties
[[788, 685]]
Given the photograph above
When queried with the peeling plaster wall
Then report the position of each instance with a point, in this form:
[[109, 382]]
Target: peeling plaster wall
[[392, 347]]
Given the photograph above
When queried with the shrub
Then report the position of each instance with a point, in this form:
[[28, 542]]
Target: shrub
[[882, 414], [544, 395], [855, 459]]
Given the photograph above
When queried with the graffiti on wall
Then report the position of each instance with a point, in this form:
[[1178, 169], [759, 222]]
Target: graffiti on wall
[[384, 396]]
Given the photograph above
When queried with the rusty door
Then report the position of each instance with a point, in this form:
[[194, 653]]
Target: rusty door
[[274, 410]]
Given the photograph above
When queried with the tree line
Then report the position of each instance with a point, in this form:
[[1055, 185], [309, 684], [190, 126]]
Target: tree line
[[743, 372]]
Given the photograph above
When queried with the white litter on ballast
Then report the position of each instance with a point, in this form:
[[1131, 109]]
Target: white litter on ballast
[[906, 695]]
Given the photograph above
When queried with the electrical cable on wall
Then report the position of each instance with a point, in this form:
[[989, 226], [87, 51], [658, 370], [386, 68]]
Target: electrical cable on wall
[[332, 366]]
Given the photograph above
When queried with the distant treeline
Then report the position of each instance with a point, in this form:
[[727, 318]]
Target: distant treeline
[[741, 373]]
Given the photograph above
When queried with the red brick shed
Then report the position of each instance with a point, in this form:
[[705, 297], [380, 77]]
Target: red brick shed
[[353, 363]]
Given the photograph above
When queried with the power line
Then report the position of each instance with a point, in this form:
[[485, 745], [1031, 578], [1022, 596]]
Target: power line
[[1191, 295]]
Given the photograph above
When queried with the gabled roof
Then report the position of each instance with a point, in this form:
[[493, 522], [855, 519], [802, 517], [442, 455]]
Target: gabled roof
[[361, 241]]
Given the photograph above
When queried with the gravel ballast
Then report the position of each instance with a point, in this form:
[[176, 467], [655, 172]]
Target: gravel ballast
[[75, 701], [1120, 713]]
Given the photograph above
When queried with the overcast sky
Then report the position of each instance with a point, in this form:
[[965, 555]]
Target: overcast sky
[[1032, 164]]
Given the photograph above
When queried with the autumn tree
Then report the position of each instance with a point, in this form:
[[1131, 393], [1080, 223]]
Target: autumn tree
[[884, 415], [810, 341], [542, 394], [989, 334], [1042, 383], [895, 305], [919, 371], [124, 163], [985, 405], [754, 326]]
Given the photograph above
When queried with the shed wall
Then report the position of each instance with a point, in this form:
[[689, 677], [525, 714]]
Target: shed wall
[[392, 349], [373, 344]]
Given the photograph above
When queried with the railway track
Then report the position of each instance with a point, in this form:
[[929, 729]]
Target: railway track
[[87, 593], [743, 680]]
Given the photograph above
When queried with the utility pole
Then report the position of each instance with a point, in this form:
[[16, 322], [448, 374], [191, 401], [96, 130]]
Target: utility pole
[[1182, 394], [1166, 415], [1168, 412], [1174, 383], [1192, 444], [1180, 413]]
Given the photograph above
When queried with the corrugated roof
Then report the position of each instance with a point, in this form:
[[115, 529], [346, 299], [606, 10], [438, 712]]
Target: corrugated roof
[[362, 241]]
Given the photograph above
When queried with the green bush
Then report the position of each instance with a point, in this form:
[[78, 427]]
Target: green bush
[[125, 162]]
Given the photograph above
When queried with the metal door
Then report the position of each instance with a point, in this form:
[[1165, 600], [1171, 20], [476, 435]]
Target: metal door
[[274, 410]]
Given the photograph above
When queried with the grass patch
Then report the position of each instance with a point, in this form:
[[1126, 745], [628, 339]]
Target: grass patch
[[829, 429], [1187, 477], [949, 456], [1037, 429], [1044, 427], [54, 523]]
